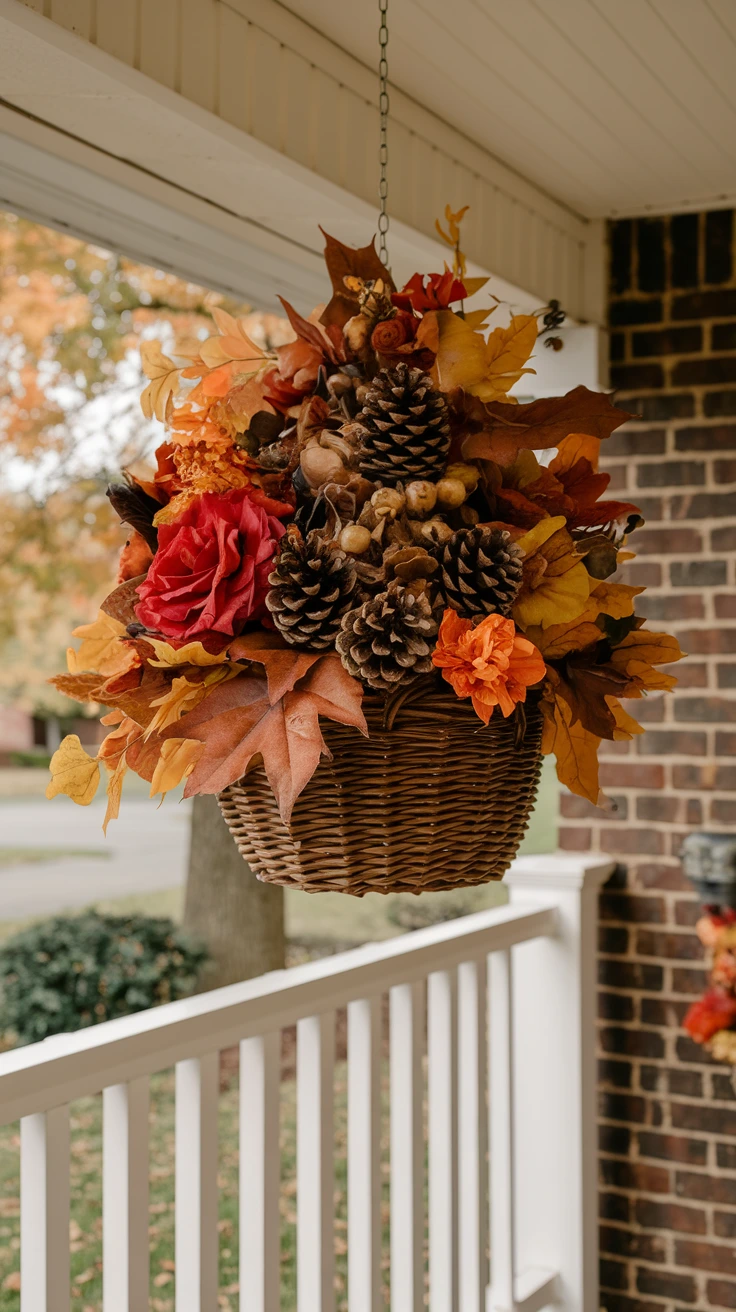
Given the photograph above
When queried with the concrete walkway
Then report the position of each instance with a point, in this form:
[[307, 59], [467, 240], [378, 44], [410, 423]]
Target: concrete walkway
[[145, 851]]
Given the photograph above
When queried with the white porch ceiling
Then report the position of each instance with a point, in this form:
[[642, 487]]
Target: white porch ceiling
[[614, 107]]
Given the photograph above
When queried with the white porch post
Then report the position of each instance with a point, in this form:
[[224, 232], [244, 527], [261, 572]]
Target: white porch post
[[553, 1020]]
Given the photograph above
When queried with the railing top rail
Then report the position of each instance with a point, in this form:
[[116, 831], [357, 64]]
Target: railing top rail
[[68, 1066]]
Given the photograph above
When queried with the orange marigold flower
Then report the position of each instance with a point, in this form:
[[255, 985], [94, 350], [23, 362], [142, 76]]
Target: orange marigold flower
[[491, 663]]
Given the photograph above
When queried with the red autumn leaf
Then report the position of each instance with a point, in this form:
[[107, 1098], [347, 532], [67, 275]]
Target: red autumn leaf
[[583, 485], [349, 262], [238, 722], [713, 1012], [524, 512], [498, 431]]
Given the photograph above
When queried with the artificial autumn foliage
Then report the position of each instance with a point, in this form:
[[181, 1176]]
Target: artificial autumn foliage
[[712, 1019], [362, 508]]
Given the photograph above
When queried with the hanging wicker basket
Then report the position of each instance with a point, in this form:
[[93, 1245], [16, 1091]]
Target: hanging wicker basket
[[433, 799]]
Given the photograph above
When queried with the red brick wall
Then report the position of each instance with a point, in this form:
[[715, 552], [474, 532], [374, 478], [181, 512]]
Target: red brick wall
[[668, 1114]]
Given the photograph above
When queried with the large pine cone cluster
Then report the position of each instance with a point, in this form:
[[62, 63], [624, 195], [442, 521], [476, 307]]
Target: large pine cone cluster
[[398, 538], [406, 430]]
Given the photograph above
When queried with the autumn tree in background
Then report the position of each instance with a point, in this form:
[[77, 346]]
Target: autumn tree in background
[[72, 317]]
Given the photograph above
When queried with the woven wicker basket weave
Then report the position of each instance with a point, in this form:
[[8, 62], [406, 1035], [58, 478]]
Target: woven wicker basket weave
[[438, 801]]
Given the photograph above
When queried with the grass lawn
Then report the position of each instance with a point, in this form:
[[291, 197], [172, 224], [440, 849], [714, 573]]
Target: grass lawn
[[85, 1229]]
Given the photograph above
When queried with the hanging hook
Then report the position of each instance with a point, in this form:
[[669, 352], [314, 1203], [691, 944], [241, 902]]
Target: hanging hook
[[383, 108]]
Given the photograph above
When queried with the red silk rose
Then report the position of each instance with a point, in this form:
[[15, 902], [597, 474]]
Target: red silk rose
[[211, 568], [439, 292], [713, 1012], [389, 334]]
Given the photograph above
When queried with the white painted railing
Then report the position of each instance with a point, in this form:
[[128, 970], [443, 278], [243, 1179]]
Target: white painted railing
[[501, 1002]]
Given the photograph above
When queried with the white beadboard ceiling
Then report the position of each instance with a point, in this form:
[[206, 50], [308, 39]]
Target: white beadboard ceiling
[[614, 107]]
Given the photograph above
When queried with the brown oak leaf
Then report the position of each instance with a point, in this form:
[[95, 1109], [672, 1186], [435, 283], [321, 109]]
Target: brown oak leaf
[[497, 431], [119, 604], [240, 725], [283, 665], [345, 262]]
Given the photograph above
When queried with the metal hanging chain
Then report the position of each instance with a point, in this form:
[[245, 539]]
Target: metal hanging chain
[[383, 108]]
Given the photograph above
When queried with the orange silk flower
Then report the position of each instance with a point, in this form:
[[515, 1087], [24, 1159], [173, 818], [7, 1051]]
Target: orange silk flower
[[492, 663]]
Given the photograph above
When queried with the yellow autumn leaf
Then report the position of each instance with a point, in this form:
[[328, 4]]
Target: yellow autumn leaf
[[164, 375], [73, 772], [477, 318], [614, 599], [231, 345], [193, 653], [177, 760], [561, 596], [555, 583], [626, 725], [114, 793], [558, 640], [473, 285], [507, 351], [460, 358], [537, 536], [101, 649], [576, 446], [575, 748], [182, 696], [639, 654]]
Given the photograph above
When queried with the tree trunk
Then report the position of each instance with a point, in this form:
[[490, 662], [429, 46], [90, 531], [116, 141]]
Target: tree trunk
[[240, 920]]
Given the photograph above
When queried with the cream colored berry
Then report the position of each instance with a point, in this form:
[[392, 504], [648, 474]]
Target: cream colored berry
[[355, 539], [436, 530], [421, 497], [451, 492], [322, 466], [467, 474], [388, 501]]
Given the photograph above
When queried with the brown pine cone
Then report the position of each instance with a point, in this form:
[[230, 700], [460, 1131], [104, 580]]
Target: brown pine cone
[[481, 572], [406, 431], [311, 588], [387, 640]]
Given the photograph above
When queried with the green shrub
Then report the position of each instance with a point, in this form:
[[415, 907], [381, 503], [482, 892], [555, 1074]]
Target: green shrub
[[73, 971]]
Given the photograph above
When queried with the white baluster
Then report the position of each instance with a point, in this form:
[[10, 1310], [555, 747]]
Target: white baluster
[[554, 1032], [472, 1136], [125, 1262], [315, 1165], [44, 1211], [364, 1155], [197, 1087], [407, 1147], [501, 1099], [441, 1089], [260, 1170]]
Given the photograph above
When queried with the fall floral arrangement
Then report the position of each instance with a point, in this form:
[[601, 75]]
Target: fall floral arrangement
[[360, 510], [712, 1019]]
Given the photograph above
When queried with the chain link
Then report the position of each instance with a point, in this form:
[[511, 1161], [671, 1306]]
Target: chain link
[[383, 108]]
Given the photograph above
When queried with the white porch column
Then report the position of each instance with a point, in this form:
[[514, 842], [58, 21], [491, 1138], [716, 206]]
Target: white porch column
[[554, 1079]]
